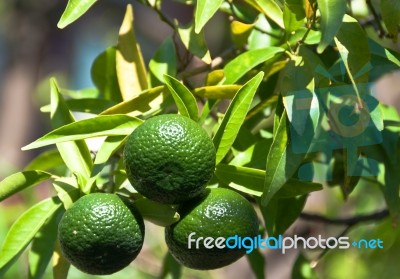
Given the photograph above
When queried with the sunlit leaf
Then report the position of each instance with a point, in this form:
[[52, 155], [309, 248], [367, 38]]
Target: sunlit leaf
[[184, 99], [75, 154], [243, 63], [131, 71], [20, 181], [103, 125], [195, 42], [141, 103], [240, 32], [234, 117], [302, 268], [45, 161], [332, 12], [23, 231], [74, 10], [218, 91], [205, 9], [272, 11]]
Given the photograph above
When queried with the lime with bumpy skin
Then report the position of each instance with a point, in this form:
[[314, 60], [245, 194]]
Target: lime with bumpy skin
[[101, 233], [169, 158], [221, 213]]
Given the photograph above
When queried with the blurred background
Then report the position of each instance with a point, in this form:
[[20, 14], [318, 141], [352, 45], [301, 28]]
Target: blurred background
[[32, 49]]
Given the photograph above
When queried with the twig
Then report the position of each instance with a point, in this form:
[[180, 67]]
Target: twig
[[377, 19], [346, 221], [161, 15]]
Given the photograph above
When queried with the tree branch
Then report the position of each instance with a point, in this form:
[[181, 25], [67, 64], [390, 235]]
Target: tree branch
[[346, 221]]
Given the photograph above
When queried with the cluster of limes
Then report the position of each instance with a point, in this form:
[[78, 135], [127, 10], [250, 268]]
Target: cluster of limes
[[168, 159]]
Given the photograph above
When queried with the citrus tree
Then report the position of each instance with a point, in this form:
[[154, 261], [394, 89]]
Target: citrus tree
[[289, 108]]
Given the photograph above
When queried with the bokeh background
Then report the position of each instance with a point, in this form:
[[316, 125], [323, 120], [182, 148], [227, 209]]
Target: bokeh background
[[32, 49]]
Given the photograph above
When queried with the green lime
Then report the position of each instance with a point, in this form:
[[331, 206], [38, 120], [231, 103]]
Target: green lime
[[198, 239], [101, 233], [169, 158]]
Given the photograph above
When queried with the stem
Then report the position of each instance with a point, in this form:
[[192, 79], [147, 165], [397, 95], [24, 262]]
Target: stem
[[377, 19], [161, 15], [352, 221]]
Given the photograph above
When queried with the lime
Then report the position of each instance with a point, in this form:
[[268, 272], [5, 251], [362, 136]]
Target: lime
[[169, 158], [101, 233], [198, 239]]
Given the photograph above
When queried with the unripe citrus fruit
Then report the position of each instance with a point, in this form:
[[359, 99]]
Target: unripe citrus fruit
[[101, 233], [221, 213], [169, 158]]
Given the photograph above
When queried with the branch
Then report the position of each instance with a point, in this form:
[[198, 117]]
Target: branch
[[346, 221], [381, 30]]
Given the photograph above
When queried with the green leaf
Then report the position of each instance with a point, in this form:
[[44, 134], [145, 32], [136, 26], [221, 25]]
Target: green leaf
[[157, 213], [140, 103], [279, 214], [103, 125], [74, 10], [23, 231], [282, 162], [352, 43], [302, 269], [45, 161], [205, 9], [164, 62], [272, 11], [251, 181], [131, 70], [42, 247], [332, 12], [76, 155], [293, 16], [93, 106], [195, 42], [234, 117], [243, 63], [391, 16], [378, 50], [67, 190], [171, 268], [218, 91], [104, 75], [20, 181], [184, 99]]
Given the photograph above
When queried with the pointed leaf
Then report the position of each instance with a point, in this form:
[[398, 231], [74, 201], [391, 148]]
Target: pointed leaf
[[20, 181], [293, 16], [184, 99], [282, 162], [205, 9], [243, 63], [60, 264], [45, 161], [23, 231], [76, 155], [272, 10], [141, 103], [234, 117], [74, 10], [218, 91], [131, 71], [164, 62], [104, 125], [257, 263], [104, 75], [195, 42], [332, 12], [251, 181], [171, 268]]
